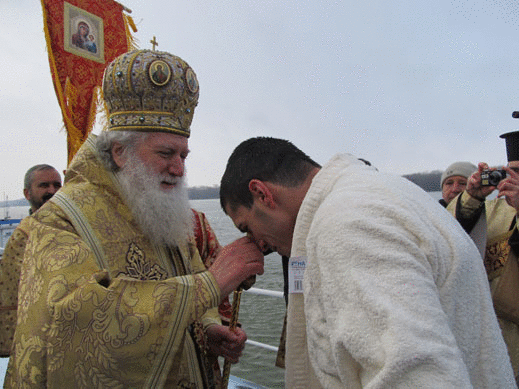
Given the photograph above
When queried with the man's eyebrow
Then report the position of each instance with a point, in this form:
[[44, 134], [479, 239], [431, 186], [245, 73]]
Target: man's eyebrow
[[164, 148]]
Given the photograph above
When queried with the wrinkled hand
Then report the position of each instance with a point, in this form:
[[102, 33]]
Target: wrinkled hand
[[226, 343], [474, 187], [235, 263], [509, 188]]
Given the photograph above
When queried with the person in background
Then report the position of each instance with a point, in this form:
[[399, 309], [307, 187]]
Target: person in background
[[112, 289], [385, 290], [454, 180], [40, 183], [493, 226]]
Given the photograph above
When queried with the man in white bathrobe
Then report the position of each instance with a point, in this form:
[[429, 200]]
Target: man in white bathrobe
[[386, 289]]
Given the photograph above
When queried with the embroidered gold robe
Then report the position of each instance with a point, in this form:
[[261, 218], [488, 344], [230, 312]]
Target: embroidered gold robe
[[9, 277], [499, 218], [99, 305]]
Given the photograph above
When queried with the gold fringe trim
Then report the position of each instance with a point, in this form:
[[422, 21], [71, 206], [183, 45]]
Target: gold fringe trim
[[75, 135], [130, 39]]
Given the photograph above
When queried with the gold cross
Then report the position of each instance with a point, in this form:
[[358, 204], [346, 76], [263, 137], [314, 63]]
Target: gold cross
[[154, 42]]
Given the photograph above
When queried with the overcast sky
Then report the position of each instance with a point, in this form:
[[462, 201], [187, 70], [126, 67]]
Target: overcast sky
[[411, 85]]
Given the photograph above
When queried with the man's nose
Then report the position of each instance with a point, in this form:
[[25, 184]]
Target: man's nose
[[177, 167], [458, 187]]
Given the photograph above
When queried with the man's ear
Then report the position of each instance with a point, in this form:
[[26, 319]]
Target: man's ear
[[261, 192], [26, 193], [118, 154]]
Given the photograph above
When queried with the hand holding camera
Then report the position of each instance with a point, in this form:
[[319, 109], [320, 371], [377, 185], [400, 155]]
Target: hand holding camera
[[479, 188], [484, 181]]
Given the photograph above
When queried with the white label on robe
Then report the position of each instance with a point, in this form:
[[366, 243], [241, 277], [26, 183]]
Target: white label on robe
[[296, 273]]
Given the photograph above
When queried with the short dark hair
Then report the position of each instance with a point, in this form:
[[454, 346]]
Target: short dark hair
[[263, 158], [29, 175]]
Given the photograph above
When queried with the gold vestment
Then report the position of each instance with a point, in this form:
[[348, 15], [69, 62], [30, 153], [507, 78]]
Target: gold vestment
[[499, 219], [116, 311]]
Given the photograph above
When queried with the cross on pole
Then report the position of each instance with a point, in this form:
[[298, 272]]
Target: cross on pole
[[154, 42]]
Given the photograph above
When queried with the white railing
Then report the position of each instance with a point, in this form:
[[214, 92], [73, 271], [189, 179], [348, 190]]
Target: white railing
[[265, 292]]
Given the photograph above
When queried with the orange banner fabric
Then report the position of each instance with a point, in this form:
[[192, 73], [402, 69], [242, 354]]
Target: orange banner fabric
[[83, 37]]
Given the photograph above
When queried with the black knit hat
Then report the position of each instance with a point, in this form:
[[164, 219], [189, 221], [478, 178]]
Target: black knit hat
[[512, 145]]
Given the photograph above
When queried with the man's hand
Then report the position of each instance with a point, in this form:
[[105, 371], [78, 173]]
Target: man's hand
[[509, 188], [226, 343], [474, 187], [235, 263]]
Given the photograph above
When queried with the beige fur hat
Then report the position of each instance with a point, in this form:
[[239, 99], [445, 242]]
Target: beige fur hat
[[463, 169]]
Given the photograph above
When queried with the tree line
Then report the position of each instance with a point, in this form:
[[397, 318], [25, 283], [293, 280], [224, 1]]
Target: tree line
[[430, 182]]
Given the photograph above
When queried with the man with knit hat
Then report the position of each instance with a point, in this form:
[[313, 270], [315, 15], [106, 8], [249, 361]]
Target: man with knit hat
[[454, 180], [112, 290], [493, 227]]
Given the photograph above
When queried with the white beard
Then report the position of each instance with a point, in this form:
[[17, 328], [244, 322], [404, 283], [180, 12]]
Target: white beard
[[165, 217]]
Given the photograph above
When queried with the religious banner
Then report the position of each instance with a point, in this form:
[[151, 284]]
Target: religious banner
[[83, 37]]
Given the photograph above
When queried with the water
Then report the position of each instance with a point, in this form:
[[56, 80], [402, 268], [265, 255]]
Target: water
[[261, 317], [436, 195]]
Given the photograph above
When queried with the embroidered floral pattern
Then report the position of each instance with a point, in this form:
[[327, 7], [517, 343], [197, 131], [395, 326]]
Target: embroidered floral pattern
[[496, 255], [141, 269]]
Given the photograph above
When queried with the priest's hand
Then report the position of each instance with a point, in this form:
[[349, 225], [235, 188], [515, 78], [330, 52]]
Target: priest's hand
[[226, 343], [509, 188], [235, 263]]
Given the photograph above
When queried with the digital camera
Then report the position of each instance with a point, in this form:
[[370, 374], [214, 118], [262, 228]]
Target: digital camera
[[492, 177]]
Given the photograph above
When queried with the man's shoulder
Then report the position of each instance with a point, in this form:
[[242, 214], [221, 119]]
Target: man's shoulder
[[18, 239], [49, 216], [23, 225]]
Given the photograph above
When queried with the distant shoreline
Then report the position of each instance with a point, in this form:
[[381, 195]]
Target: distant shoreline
[[195, 193], [430, 182]]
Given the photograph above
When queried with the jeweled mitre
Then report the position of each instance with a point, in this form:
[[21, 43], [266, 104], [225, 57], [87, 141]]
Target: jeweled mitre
[[147, 90]]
